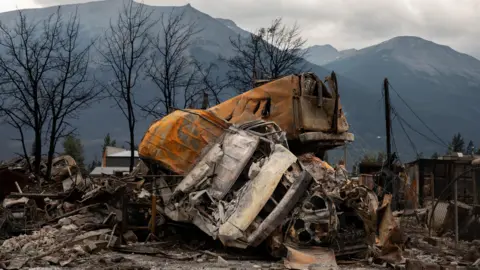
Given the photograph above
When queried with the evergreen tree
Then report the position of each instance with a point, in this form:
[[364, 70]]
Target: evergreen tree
[[73, 147], [470, 148], [435, 155], [108, 141], [457, 144]]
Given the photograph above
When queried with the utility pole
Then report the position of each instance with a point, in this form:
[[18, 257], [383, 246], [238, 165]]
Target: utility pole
[[391, 183], [388, 122], [455, 199]]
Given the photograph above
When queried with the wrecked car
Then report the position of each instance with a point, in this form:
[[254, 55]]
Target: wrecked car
[[247, 187], [242, 183]]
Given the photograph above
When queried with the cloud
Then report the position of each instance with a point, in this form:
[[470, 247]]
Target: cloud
[[350, 23], [17, 4], [44, 3]]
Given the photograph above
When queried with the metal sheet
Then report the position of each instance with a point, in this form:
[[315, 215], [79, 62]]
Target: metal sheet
[[294, 106], [201, 169], [278, 215], [249, 105], [257, 194], [176, 141], [238, 148]]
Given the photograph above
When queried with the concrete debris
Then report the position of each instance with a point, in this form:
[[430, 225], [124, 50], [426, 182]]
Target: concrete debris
[[44, 225], [52, 245], [222, 260]]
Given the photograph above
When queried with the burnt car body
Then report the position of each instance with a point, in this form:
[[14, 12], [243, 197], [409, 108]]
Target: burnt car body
[[242, 183]]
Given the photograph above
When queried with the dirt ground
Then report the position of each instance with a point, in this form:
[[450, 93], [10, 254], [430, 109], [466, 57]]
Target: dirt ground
[[141, 262]]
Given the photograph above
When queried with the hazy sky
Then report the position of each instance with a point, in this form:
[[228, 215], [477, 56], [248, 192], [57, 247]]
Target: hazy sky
[[342, 23]]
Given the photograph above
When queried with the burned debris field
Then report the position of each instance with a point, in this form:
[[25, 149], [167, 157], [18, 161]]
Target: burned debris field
[[231, 149], [239, 185]]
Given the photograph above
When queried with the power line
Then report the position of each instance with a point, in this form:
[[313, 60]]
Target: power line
[[406, 134], [400, 118], [394, 144], [418, 117], [362, 142]]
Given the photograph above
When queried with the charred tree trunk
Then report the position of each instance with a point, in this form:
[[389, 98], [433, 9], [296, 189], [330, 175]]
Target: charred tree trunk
[[124, 51], [51, 150], [131, 129]]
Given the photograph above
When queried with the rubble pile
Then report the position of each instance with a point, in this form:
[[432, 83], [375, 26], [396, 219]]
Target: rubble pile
[[336, 212], [46, 227], [246, 188], [52, 246]]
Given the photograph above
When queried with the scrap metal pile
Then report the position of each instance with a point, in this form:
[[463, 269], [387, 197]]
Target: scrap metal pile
[[247, 187], [242, 183]]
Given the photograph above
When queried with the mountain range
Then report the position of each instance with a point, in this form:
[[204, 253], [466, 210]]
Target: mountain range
[[439, 84]]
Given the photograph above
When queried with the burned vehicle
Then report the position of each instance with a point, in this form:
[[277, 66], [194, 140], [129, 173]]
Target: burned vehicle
[[301, 105], [240, 182]]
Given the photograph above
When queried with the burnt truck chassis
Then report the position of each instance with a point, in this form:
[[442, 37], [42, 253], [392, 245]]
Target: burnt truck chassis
[[248, 189]]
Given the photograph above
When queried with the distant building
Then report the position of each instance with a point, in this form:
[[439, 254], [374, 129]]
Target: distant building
[[115, 160], [433, 177]]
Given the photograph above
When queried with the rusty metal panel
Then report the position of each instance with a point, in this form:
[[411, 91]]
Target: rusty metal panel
[[366, 180], [294, 106], [177, 140], [314, 118], [250, 105]]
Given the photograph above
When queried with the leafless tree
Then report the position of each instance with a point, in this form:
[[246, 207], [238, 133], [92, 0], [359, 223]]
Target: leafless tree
[[28, 48], [43, 80], [171, 70], [270, 53], [124, 51], [210, 84], [244, 67], [281, 50], [69, 88], [18, 124]]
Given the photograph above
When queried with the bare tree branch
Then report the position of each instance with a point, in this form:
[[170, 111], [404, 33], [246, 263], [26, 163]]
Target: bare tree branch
[[211, 85], [244, 66], [281, 50], [124, 53], [270, 53], [70, 88], [29, 48], [14, 121], [171, 70]]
